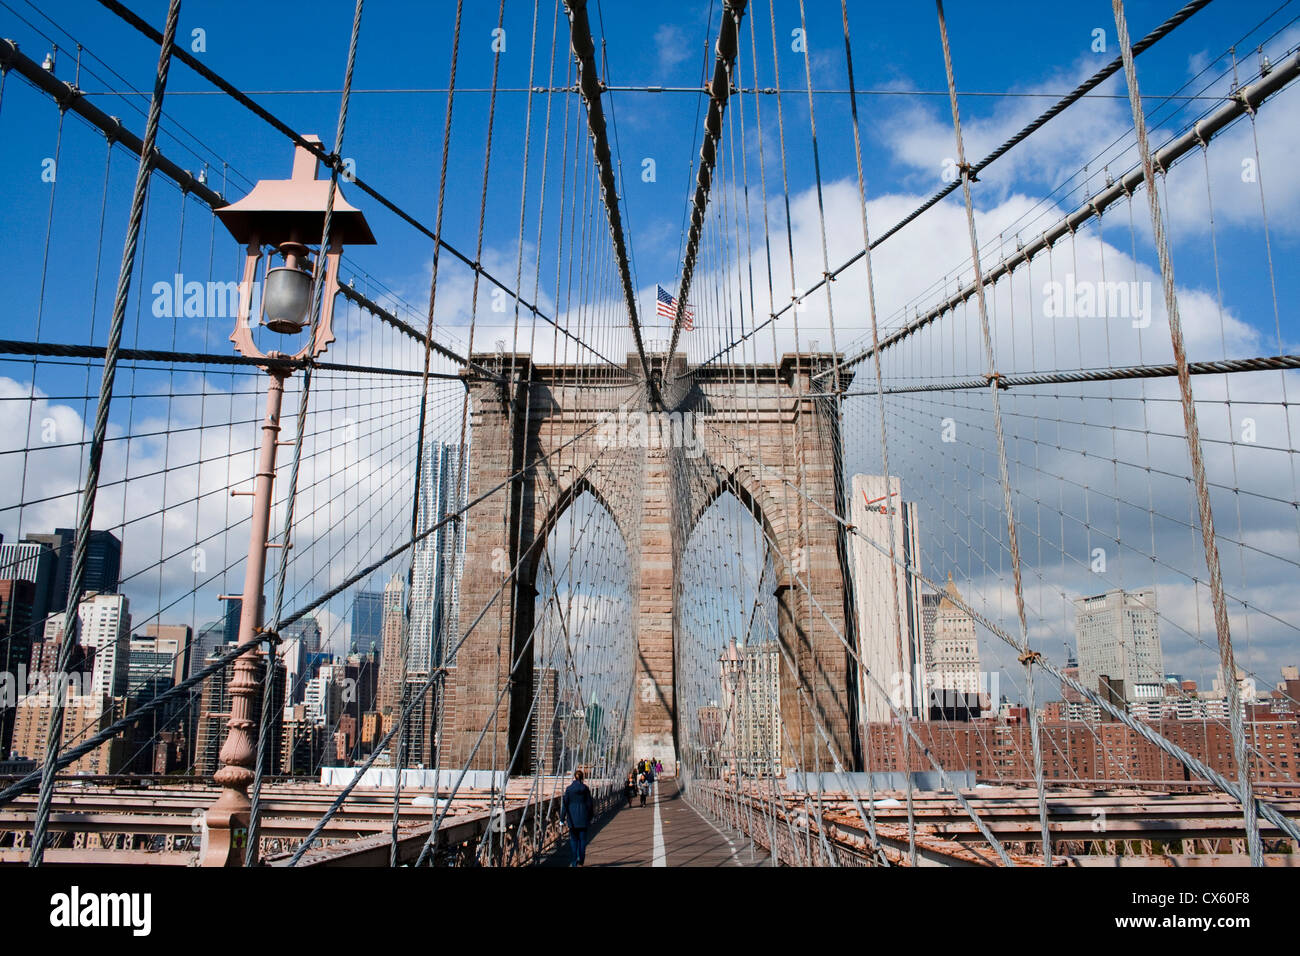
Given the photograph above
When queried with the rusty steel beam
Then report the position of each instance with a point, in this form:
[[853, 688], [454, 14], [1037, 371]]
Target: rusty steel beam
[[359, 833], [945, 835]]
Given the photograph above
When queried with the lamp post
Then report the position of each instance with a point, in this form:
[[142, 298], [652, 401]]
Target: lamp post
[[280, 216]]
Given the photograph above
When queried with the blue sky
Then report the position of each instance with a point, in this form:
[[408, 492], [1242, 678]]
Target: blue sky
[[395, 138]]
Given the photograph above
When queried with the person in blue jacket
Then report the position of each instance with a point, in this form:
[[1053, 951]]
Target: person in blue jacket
[[576, 810]]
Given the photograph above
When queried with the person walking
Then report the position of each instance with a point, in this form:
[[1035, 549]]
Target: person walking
[[576, 809], [629, 789], [643, 786]]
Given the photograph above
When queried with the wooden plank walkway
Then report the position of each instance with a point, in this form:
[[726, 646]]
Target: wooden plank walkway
[[667, 831]]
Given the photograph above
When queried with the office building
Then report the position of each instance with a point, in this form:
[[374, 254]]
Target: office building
[[368, 622], [546, 731], [102, 569], [161, 652], [393, 659], [16, 628], [323, 699], [362, 683], [37, 563], [83, 716], [438, 561], [954, 659], [894, 656], [209, 638], [758, 716], [302, 742], [105, 629], [1118, 636], [300, 650]]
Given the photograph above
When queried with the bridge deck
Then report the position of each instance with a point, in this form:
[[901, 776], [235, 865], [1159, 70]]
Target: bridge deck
[[667, 831]]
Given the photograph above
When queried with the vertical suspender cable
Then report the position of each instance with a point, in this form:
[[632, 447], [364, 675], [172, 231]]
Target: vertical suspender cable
[[71, 617], [1027, 657], [1227, 664], [250, 849]]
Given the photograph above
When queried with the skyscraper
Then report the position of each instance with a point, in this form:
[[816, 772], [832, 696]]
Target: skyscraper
[[368, 622], [876, 504], [300, 651], [230, 620], [163, 652], [210, 637], [438, 559], [36, 562], [103, 563], [16, 599], [758, 716], [954, 658], [1118, 634], [106, 629], [392, 659], [548, 737]]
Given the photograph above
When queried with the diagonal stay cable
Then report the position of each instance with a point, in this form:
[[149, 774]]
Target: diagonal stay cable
[[334, 161], [26, 783], [1111, 68], [590, 86], [719, 90], [1195, 451], [1244, 102], [317, 293], [72, 613]]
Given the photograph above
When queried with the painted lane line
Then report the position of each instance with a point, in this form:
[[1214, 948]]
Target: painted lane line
[[660, 855]]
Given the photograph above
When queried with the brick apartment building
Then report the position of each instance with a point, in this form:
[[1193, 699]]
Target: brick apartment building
[[1079, 753]]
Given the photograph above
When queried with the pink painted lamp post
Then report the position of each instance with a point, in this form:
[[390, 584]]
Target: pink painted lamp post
[[280, 216]]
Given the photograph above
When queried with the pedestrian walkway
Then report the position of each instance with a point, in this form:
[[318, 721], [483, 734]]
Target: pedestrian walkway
[[667, 831]]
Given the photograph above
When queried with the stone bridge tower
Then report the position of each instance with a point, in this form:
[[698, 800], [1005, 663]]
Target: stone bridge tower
[[761, 432]]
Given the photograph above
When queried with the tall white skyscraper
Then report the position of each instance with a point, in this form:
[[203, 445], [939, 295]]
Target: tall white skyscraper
[[953, 651], [1118, 634], [895, 660], [758, 717], [439, 559], [105, 626]]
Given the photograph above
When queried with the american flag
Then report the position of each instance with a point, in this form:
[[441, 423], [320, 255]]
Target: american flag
[[666, 306]]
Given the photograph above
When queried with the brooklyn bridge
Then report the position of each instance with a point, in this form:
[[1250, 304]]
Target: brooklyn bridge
[[848, 440]]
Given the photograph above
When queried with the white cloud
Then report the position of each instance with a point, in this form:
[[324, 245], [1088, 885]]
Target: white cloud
[[671, 46]]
